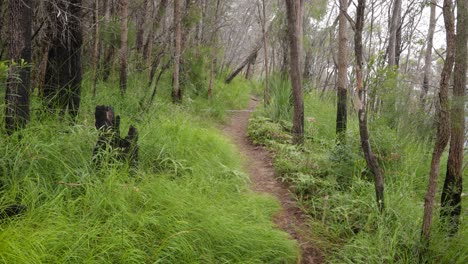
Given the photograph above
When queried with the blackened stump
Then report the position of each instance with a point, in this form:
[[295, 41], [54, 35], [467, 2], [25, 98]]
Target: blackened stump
[[108, 125]]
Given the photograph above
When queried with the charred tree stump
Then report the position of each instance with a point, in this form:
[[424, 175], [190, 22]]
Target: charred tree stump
[[108, 125]]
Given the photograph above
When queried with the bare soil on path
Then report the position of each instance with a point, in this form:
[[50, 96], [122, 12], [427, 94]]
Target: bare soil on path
[[291, 219]]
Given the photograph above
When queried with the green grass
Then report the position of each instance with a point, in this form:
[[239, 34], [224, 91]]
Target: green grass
[[189, 202], [334, 185]]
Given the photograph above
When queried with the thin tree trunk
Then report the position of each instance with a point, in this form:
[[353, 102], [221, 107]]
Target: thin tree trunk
[[394, 25], [250, 68], [443, 125], [176, 91], [453, 187], [428, 58], [123, 45], [109, 50], [294, 13], [96, 45], [149, 41], [361, 107], [266, 95], [18, 83], [342, 91]]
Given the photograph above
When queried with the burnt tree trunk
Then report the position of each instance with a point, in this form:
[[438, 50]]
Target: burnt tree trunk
[[108, 125], [453, 187], [18, 83], [95, 45], [123, 46], [62, 90]]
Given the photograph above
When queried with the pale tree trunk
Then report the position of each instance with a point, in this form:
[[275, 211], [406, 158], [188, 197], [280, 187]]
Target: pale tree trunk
[[263, 18], [18, 83], [176, 91], [428, 58], [123, 45], [96, 46], [453, 187], [342, 91], [394, 25], [361, 108], [214, 50], [294, 14], [443, 124]]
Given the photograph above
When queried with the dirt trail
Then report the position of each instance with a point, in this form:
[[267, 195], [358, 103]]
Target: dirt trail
[[290, 219]]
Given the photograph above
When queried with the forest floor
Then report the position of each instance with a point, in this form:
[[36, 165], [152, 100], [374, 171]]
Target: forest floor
[[259, 163]]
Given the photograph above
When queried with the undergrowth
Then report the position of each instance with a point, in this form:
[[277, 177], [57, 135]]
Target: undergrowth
[[188, 202], [334, 186]]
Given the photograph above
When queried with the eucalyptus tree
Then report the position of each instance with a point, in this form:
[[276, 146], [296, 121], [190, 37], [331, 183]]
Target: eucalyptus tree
[[294, 17], [443, 124], [453, 184]]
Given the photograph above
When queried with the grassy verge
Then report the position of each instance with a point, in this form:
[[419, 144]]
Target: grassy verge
[[333, 184], [189, 202]]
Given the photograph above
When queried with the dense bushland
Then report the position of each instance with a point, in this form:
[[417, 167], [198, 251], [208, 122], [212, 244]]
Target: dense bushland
[[334, 186], [189, 201]]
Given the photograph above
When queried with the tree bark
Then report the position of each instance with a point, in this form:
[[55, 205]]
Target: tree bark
[[394, 25], [95, 46], [176, 91], [342, 91], [453, 187], [18, 84], [266, 95], [443, 124], [361, 107], [123, 45], [63, 76], [294, 14], [428, 57]]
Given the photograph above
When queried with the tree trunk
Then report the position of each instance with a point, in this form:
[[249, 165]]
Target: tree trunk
[[361, 107], [106, 65], [428, 58], [18, 84], [96, 46], [140, 26], [63, 76], [176, 91], [250, 68], [394, 25], [443, 124], [342, 91], [123, 45], [149, 41], [294, 14], [453, 187], [266, 95]]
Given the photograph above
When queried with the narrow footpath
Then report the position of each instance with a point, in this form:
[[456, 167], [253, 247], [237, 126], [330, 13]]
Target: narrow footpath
[[262, 174]]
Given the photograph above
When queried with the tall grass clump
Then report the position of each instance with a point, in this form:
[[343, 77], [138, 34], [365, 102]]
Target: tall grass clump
[[188, 202], [333, 184], [280, 107]]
